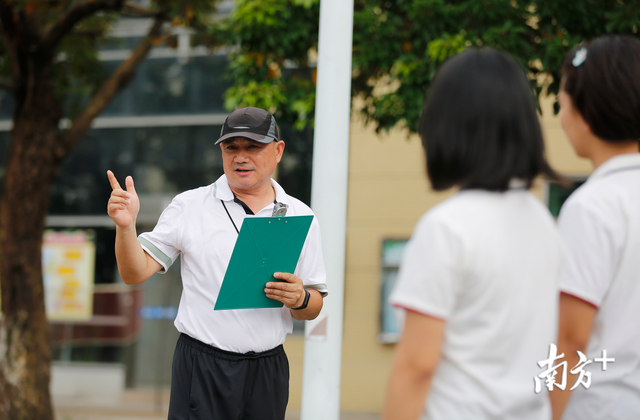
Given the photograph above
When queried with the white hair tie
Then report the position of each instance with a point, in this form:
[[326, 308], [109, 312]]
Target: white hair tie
[[580, 57]]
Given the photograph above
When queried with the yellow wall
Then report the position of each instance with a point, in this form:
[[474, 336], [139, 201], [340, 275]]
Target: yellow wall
[[388, 192], [294, 347], [559, 151]]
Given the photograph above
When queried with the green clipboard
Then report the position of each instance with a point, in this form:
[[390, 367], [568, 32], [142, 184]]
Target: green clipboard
[[265, 245]]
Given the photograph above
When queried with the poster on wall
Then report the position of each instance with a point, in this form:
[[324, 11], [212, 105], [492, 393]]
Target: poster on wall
[[68, 263]]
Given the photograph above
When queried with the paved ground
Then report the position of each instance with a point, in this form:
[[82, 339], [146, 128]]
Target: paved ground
[[142, 405]]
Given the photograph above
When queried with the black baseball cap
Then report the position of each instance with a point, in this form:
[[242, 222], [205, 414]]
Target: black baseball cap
[[251, 123]]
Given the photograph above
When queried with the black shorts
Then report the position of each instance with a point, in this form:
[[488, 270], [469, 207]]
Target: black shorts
[[212, 384]]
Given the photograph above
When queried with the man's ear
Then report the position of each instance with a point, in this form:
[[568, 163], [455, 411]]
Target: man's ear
[[279, 150]]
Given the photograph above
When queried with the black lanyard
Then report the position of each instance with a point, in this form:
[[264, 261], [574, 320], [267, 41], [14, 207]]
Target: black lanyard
[[234, 223], [246, 209]]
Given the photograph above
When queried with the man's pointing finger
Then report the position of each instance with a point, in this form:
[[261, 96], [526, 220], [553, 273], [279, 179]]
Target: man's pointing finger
[[113, 181]]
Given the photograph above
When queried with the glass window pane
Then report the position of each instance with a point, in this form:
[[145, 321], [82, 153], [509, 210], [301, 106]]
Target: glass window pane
[[164, 86], [6, 105], [559, 194], [162, 160], [392, 253], [390, 322], [294, 170], [120, 43]]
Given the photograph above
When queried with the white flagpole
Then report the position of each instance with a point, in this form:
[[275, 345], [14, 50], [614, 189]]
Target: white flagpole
[[323, 336]]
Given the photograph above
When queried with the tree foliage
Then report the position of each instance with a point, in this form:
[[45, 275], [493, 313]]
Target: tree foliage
[[398, 46], [272, 64]]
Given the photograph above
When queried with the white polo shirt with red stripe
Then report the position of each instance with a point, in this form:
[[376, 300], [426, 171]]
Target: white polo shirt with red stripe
[[600, 225], [196, 227], [487, 264]]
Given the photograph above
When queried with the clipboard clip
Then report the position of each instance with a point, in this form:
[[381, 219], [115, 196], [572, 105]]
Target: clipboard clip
[[279, 209]]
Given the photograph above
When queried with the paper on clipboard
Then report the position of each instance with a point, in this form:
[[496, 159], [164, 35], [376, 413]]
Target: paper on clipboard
[[265, 245]]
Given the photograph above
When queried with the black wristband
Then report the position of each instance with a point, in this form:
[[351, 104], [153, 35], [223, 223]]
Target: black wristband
[[305, 303]]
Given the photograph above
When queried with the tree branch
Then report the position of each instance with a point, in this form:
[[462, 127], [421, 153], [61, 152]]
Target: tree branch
[[75, 14], [133, 10], [103, 96]]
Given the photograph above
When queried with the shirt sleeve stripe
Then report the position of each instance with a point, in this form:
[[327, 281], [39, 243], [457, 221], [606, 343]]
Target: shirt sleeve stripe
[[321, 287], [156, 252]]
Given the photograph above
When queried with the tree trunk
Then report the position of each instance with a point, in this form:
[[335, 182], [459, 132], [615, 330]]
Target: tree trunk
[[25, 348]]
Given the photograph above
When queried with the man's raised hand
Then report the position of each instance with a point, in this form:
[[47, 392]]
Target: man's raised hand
[[123, 205]]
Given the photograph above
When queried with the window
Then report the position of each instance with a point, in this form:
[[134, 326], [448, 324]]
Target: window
[[6, 105], [162, 160], [390, 327], [556, 194], [165, 86]]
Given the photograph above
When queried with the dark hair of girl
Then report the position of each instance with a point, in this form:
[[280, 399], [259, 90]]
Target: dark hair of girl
[[602, 78], [479, 126]]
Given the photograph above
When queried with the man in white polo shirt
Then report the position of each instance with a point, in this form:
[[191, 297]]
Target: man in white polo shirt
[[227, 364]]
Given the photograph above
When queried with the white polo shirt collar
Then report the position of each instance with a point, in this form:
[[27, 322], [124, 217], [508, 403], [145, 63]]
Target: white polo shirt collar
[[616, 164], [222, 191]]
